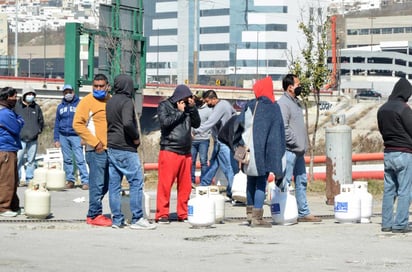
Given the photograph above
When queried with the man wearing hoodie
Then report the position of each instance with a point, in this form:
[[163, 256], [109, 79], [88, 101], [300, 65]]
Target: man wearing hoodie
[[296, 144], [177, 115], [395, 125], [67, 139], [32, 115], [122, 142]]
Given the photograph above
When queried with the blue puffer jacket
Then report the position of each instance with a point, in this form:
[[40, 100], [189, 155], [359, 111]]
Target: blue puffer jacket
[[63, 123], [10, 127]]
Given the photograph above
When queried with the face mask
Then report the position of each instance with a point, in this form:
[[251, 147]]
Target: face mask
[[298, 91], [99, 94], [29, 98], [11, 103], [68, 97]]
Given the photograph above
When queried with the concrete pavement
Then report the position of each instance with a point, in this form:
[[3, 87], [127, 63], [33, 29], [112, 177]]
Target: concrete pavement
[[66, 243]]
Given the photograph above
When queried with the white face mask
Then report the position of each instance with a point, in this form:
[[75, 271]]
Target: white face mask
[[68, 97], [29, 98]]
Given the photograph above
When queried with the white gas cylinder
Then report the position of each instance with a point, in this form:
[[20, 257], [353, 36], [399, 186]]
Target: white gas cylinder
[[239, 187], [56, 179], [219, 200], [40, 175], [283, 206], [347, 205], [37, 201], [125, 205], [361, 188], [201, 208]]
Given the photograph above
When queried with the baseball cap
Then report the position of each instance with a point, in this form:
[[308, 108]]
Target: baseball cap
[[67, 86]]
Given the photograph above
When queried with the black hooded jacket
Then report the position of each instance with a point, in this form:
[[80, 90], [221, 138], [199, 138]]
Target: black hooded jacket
[[395, 119], [121, 118]]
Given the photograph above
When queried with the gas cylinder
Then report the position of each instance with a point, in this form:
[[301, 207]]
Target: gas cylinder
[[56, 179], [239, 187], [40, 175], [219, 200], [201, 208], [361, 188], [347, 205], [125, 205], [37, 201], [283, 206]]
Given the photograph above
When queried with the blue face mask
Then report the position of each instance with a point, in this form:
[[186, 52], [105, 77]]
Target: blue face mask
[[29, 98], [98, 94]]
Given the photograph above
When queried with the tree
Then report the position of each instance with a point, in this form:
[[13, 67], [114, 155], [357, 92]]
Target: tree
[[312, 69]]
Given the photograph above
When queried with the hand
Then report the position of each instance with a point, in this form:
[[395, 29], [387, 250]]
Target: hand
[[99, 148], [57, 144], [136, 142]]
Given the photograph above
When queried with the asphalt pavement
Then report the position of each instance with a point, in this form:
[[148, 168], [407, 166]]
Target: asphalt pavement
[[64, 242]]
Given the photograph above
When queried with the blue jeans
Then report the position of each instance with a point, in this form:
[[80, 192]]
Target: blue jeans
[[125, 163], [255, 191], [397, 185], [71, 147], [220, 158], [201, 147], [98, 181], [31, 149], [295, 166]]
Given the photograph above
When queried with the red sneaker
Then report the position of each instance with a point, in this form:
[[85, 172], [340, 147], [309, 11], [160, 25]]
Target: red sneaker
[[99, 220]]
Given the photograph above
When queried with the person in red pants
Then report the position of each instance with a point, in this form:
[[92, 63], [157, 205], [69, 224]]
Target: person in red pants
[[177, 115]]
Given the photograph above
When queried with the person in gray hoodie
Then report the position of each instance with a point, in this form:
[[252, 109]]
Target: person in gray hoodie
[[32, 115], [296, 144], [395, 125]]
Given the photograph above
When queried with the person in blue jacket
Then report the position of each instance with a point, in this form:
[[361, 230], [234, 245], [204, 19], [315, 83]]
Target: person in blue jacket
[[67, 139], [10, 127]]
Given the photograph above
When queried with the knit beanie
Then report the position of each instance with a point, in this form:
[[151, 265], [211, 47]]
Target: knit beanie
[[181, 92]]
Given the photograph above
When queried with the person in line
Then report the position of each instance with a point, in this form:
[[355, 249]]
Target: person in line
[[221, 155], [10, 126], [201, 141], [177, 115], [91, 125], [395, 125], [262, 130], [296, 144], [123, 139], [32, 115], [67, 139]]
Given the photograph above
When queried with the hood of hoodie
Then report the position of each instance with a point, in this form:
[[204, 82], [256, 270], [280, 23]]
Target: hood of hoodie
[[181, 92], [264, 87], [27, 90], [401, 91], [123, 84]]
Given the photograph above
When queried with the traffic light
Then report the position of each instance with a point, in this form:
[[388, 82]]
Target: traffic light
[[186, 81], [217, 82]]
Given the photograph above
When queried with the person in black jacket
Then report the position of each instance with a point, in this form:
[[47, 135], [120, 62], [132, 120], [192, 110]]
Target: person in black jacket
[[122, 142], [32, 115], [177, 115]]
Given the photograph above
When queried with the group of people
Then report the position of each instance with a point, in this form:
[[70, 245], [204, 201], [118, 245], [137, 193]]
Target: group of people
[[273, 131]]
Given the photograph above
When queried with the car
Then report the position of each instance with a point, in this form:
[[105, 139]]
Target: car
[[368, 94]]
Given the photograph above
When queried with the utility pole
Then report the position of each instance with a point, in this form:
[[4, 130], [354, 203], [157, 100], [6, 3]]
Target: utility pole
[[195, 41], [16, 45]]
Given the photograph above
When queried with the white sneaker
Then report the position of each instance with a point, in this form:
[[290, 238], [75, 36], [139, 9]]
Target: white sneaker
[[143, 224], [9, 214]]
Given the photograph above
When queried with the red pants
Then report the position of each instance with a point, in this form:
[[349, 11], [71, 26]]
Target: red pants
[[173, 166], [9, 179]]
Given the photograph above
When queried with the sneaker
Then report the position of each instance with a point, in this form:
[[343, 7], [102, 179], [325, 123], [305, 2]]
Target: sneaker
[[121, 226], [184, 220], [70, 185], [386, 229], [143, 224], [401, 230], [99, 220], [21, 211], [309, 218], [85, 187], [8, 214], [163, 220]]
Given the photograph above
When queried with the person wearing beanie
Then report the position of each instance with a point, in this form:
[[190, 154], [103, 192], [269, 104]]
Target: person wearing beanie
[[32, 115], [10, 127], [395, 125], [67, 139], [177, 115], [261, 129]]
